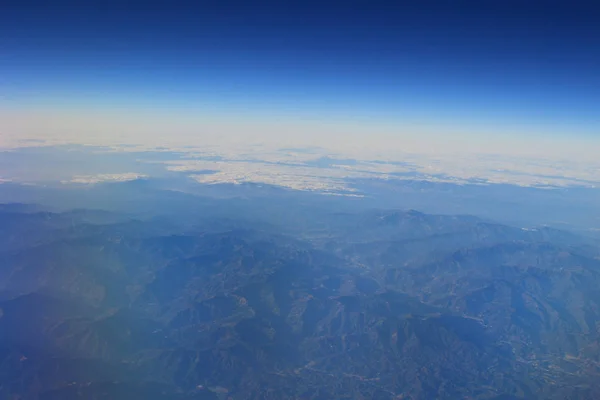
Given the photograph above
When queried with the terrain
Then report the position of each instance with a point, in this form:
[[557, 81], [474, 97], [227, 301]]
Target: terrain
[[165, 295]]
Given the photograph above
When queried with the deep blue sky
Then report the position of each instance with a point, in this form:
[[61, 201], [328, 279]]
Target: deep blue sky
[[529, 63]]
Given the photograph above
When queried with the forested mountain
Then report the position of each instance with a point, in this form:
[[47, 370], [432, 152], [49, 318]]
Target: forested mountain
[[321, 304]]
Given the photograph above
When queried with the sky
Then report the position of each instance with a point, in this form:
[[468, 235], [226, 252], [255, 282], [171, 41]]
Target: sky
[[486, 70]]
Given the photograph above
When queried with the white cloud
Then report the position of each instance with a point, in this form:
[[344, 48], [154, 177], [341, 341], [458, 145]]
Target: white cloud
[[99, 178], [526, 159]]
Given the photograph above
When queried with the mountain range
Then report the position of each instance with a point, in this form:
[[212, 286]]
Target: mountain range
[[233, 298]]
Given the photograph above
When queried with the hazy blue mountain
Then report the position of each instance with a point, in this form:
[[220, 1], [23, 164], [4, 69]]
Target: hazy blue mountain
[[242, 297]]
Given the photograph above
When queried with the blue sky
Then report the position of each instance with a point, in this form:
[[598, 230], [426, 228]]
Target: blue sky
[[533, 65]]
